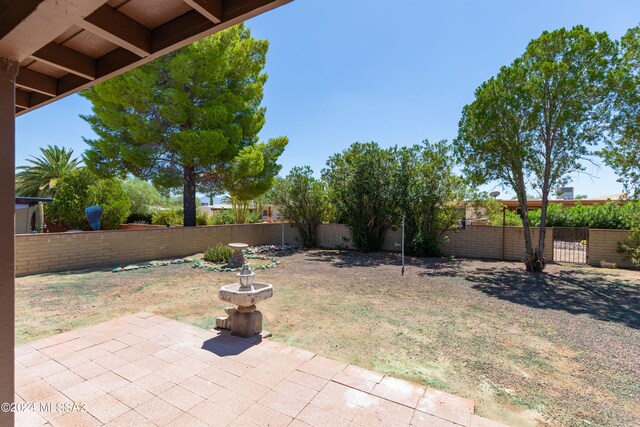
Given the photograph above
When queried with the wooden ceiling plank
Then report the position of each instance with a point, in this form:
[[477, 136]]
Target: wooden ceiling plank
[[22, 99], [36, 99], [114, 61], [37, 82], [183, 27], [210, 9], [67, 59], [70, 82], [28, 100], [119, 29]]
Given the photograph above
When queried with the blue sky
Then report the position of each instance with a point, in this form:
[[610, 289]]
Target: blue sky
[[395, 72]]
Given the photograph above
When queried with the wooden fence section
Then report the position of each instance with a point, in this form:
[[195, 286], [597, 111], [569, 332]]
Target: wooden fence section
[[50, 252]]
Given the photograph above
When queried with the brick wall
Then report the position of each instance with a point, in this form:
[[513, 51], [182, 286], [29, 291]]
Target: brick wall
[[603, 246], [50, 252], [474, 242]]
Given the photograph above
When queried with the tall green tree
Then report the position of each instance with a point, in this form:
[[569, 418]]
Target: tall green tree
[[622, 151], [252, 174], [427, 193], [360, 188], [302, 199], [40, 177], [187, 114], [143, 195], [532, 123]]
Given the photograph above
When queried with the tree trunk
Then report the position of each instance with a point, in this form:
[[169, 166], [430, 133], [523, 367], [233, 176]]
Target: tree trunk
[[532, 259], [189, 197], [541, 262]]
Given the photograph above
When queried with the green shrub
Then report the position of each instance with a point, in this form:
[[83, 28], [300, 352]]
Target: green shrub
[[138, 218], [254, 217], [512, 218], [201, 218], [144, 196], [171, 217], [631, 247], [609, 215], [218, 253], [303, 200], [168, 217], [80, 189], [223, 217]]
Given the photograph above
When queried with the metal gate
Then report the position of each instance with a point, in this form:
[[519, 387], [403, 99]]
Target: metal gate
[[571, 244]]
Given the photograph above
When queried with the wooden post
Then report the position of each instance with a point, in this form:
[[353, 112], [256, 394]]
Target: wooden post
[[8, 72], [504, 228]]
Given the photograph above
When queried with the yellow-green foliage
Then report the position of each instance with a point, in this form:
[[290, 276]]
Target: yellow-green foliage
[[219, 253]]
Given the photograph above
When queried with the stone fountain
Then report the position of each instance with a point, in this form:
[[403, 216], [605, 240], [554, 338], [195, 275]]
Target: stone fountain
[[245, 320]]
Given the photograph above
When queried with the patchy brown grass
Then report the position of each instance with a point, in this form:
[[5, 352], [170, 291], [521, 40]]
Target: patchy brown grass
[[559, 348]]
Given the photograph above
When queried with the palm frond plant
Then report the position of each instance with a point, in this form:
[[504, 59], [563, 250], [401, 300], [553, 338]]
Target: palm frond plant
[[39, 178]]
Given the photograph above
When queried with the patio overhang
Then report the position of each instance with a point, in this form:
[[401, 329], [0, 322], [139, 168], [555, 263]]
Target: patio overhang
[[50, 49], [64, 46]]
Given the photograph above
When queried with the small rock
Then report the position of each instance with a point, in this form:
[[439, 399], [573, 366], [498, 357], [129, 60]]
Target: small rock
[[131, 267], [187, 259], [177, 261], [118, 269]]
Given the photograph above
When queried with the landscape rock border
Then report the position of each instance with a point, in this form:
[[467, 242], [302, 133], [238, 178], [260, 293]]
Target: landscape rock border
[[199, 264]]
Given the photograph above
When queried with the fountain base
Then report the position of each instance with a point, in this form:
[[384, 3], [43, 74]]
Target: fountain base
[[243, 322]]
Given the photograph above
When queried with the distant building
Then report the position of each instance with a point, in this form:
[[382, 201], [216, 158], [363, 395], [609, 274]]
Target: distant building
[[565, 193]]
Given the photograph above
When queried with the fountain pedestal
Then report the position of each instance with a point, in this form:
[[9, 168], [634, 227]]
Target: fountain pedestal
[[245, 320]]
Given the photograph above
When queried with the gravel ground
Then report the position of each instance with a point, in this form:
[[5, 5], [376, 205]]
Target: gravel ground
[[559, 348]]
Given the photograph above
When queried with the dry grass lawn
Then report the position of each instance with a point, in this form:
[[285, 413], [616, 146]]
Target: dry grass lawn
[[560, 348]]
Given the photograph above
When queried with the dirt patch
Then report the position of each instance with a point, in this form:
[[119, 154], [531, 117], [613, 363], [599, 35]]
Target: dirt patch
[[559, 348]]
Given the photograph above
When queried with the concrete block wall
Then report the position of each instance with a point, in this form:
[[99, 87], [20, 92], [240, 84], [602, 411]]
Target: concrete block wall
[[50, 252], [603, 246], [486, 242]]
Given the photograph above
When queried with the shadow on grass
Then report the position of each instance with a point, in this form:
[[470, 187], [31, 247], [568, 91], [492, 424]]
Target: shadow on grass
[[351, 259], [571, 291]]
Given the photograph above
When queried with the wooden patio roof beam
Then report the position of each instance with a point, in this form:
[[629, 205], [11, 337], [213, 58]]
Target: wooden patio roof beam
[[27, 100], [210, 9], [67, 59], [37, 82], [119, 29]]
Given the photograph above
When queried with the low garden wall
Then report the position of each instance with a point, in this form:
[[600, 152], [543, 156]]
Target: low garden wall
[[603, 246], [50, 252], [473, 242]]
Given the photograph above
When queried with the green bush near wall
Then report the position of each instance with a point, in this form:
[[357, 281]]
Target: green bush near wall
[[80, 189], [610, 215]]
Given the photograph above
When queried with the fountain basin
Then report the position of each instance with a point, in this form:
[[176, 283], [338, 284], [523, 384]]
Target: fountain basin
[[245, 296]]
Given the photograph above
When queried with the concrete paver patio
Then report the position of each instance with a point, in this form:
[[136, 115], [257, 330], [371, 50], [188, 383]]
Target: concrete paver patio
[[148, 370]]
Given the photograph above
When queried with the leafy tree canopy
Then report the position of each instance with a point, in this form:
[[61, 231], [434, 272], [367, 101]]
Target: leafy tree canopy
[[531, 124], [143, 195], [303, 200], [80, 189], [360, 187], [182, 117], [427, 194], [622, 151]]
